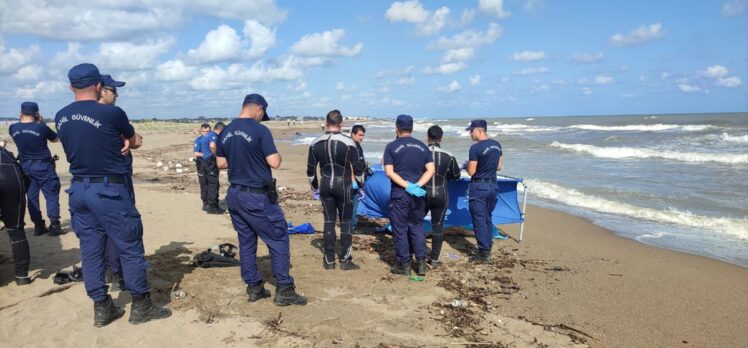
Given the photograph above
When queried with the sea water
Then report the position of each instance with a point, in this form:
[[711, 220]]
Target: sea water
[[674, 181]]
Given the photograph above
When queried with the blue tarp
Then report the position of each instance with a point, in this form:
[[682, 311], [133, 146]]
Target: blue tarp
[[375, 202]]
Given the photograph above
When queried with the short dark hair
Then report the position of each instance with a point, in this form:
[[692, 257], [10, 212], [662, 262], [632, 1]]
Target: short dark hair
[[204, 125], [334, 118], [358, 128], [435, 132], [219, 125]]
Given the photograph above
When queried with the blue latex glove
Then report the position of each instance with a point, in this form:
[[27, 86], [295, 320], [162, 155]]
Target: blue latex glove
[[315, 194], [415, 190], [354, 185]]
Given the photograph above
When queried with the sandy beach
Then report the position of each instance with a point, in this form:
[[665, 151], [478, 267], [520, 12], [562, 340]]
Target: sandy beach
[[570, 283]]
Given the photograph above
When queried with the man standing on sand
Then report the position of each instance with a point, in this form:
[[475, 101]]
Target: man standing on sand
[[247, 149], [210, 170], [204, 130], [342, 173], [484, 159], [408, 164], [357, 134], [31, 135], [101, 205]]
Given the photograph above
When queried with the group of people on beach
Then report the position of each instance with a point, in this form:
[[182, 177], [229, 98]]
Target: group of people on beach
[[97, 138]]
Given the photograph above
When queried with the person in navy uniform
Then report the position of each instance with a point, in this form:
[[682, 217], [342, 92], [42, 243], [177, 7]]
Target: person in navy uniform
[[31, 135], [484, 159], [342, 173], [209, 169], [247, 149], [12, 210], [408, 164], [204, 130], [101, 206], [437, 193]]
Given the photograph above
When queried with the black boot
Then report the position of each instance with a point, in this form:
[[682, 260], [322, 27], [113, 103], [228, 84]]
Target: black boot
[[143, 310], [205, 206], [481, 256], [348, 265], [437, 239], [434, 263], [401, 269], [421, 267], [257, 292], [106, 312], [23, 280], [54, 228], [40, 228], [286, 295], [118, 284], [328, 265], [214, 209]]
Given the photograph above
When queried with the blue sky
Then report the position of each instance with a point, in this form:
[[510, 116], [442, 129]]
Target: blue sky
[[430, 59]]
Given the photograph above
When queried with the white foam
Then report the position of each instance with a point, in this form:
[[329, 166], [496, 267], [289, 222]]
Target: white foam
[[632, 152], [530, 119], [521, 128], [734, 138], [304, 141], [575, 198], [644, 127]]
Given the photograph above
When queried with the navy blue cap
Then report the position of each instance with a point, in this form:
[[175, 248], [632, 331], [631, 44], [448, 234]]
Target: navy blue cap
[[477, 124], [257, 99], [108, 81], [404, 122], [29, 108], [84, 75]]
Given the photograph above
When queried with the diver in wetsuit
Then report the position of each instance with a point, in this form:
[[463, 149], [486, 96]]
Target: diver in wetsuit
[[437, 195], [337, 156]]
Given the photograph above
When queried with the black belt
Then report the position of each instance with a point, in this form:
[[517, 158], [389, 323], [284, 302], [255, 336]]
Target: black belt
[[242, 188], [112, 179], [482, 180]]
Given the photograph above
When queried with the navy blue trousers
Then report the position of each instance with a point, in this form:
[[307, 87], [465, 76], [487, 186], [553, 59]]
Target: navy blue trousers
[[254, 216], [43, 178], [481, 202], [111, 256], [104, 217], [406, 218]]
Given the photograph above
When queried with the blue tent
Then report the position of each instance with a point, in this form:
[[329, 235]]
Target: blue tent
[[375, 202]]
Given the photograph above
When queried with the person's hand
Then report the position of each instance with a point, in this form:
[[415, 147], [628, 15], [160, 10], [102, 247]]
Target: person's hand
[[315, 194], [464, 165], [126, 148], [354, 185], [415, 190]]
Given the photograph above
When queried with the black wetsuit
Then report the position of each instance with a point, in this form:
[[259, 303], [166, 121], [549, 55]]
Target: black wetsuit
[[437, 195], [13, 208], [338, 158]]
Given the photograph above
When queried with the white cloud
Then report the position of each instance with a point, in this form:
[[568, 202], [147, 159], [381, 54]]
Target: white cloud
[[493, 8], [734, 7], [533, 6], [603, 79], [239, 75], [260, 38], [533, 71], [714, 71], [459, 54], [392, 102], [468, 15], [129, 56], [406, 81], [340, 86], [174, 70], [527, 56], [639, 35], [427, 23], [42, 88], [395, 72], [12, 59], [588, 58], [300, 86], [325, 44], [220, 45], [689, 88], [538, 87], [475, 80], [560, 82], [125, 19], [28, 73], [586, 90], [469, 38], [664, 75], [446, 69], [454, 86], [732, 81]]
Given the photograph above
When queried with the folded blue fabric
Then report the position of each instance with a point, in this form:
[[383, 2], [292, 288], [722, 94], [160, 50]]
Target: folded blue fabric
[[305, 228]]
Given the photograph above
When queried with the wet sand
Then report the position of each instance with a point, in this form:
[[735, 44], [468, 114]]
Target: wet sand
[[569, 283]]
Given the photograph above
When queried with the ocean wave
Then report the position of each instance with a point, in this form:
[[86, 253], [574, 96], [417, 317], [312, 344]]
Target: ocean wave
[[645, 127], [632, 152], [734, 138], [519, 128], [575, 198]]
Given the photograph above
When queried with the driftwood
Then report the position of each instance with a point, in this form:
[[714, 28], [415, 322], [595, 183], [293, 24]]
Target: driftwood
[[45, 293]]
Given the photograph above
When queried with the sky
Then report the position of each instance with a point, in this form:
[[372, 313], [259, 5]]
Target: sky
[[429, 59]]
